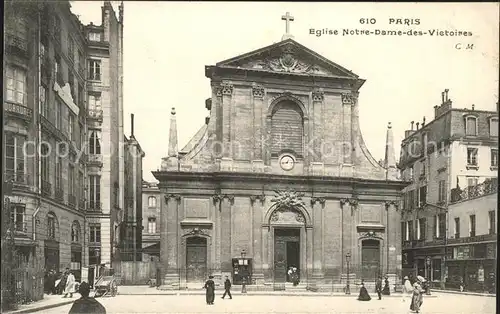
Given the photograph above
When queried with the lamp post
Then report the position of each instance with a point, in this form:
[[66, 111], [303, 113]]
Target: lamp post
[[348, 259], [244, 275], [428, 285]]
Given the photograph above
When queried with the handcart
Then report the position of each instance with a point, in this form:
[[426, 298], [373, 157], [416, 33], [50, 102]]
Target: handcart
[[106, 286]]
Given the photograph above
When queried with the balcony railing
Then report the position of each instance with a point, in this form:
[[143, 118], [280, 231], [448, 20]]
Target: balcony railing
[[489, 186], [18, 110], [94, 206], [94, 159], [71, 200], [46, 188], [95, 114], [59, 194], [20, 226], [16, 45]]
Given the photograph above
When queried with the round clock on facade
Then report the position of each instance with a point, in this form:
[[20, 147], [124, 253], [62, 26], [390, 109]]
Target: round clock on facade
[[287, 162]]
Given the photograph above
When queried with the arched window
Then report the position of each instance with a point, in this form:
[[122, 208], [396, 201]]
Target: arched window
[[470, 125], [51, 226], [75, 232], [152, 201], [95, 143], [287, 129]]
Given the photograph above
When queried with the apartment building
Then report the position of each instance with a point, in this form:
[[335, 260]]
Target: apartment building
[[151, 209], [456, 150], [64, 144], [105, 164], [472, 237]]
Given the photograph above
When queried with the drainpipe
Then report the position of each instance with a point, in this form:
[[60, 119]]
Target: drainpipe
[[39, 137]]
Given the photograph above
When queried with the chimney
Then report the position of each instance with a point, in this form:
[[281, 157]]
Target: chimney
[[131, 125], [472, 107], [412, 125], [436, 111], [172, 140], [442, 98], [446, 94], [423, 122], [417, 125]]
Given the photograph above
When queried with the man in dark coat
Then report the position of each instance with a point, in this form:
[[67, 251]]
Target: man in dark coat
[[210, 290], [86, 305], [227, 288], [378, 287]]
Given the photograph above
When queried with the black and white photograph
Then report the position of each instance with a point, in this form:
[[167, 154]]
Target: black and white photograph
[[250, 157]]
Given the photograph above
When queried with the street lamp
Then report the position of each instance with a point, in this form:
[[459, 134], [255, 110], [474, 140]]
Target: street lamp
[[243, 261], [347, 259], [429, 270]]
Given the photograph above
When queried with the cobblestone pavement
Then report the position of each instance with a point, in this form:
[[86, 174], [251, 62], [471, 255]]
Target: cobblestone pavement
[[444, 303]]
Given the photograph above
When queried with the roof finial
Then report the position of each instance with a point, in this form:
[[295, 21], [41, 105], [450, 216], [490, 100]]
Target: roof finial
[[287, 18], [390, 156]]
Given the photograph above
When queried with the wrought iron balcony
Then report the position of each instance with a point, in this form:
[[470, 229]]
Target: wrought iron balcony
[[16, 45], [95, 114], [59, 194], [46, 188], [71, 200], [18, 110], [489, 186]]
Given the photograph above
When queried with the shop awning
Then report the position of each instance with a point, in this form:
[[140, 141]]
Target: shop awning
[[153, 249]]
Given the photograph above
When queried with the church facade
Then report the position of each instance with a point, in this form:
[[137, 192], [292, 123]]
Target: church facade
[[279, 177]]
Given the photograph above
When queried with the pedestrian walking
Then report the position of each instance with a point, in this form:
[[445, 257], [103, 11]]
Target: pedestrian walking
[[417, 298], [386, 290], [85, 304], [378, 287], [62, 284], [363, 293], [210, 290], [227, 288], [407, 288], [70, 285]]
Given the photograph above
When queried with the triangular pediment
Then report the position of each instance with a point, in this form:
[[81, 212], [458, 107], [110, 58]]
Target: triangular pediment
[[288, 56]]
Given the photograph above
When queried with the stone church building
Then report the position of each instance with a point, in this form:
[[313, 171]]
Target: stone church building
[[279, 177]]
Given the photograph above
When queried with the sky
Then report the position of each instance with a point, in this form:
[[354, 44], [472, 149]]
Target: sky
[[168, 44]]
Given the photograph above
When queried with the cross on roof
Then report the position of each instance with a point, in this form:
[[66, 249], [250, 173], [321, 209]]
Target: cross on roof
[[287, 18]]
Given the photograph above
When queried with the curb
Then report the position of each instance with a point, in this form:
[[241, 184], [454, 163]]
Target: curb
[[40, 308], [262, 294], [477, 294]]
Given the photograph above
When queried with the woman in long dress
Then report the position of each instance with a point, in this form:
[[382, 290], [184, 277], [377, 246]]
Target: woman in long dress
[[210, 290], [407, 288], [417, 298], [363, 293], [70, 285], [386, 290]]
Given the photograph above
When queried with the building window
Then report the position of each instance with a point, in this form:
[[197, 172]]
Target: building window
[[81, 186], [58, 70], [71, 82], [59, 109], [57, 28], [152, 201], [59, 167], [95, 233], [494, 127], [94, 36], [470, 126], [472, 225], [16, 85], [44, 104], [95, 70], [95, 192], [421, 229], [494, 157], [436, 269], [491, 222], [411, 234], [410, 170], [442, 225], [18, 27], [411, 199], [442, 191], [45, 161], [75, 232], [94, 256], [51, 226], [151, 225], [95, 143], [14, 157], [81, 63], [422, 196], [71, 49], [71, 179], [471, 156], [71, 126], [17, 217], [95, 102], [457, 227]]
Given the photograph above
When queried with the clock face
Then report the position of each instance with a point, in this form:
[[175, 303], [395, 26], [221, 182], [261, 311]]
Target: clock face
[[287, 162]]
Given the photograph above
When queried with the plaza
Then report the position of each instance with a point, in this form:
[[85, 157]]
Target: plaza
[[441, 303]]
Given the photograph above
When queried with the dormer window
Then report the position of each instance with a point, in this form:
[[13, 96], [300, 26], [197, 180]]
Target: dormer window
[[94, 36], [470, 125], [493, 127]]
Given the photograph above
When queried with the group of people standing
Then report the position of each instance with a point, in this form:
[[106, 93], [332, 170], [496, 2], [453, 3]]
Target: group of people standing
[[416, 289], [63, 283]]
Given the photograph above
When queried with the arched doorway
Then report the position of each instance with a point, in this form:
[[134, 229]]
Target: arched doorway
[[370, 259], [196, 259]]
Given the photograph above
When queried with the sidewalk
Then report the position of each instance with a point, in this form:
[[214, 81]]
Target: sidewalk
[[465, 293], [48, 302]]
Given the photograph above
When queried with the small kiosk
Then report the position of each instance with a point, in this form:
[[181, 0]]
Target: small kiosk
[[242, 269]]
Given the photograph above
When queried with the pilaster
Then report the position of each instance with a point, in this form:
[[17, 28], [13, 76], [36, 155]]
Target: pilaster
[[317, 204], [317, 125], [170, 240], [258, 106], [348, 206], [226, 92], [393, 238], [257, 202], [226, 253]]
